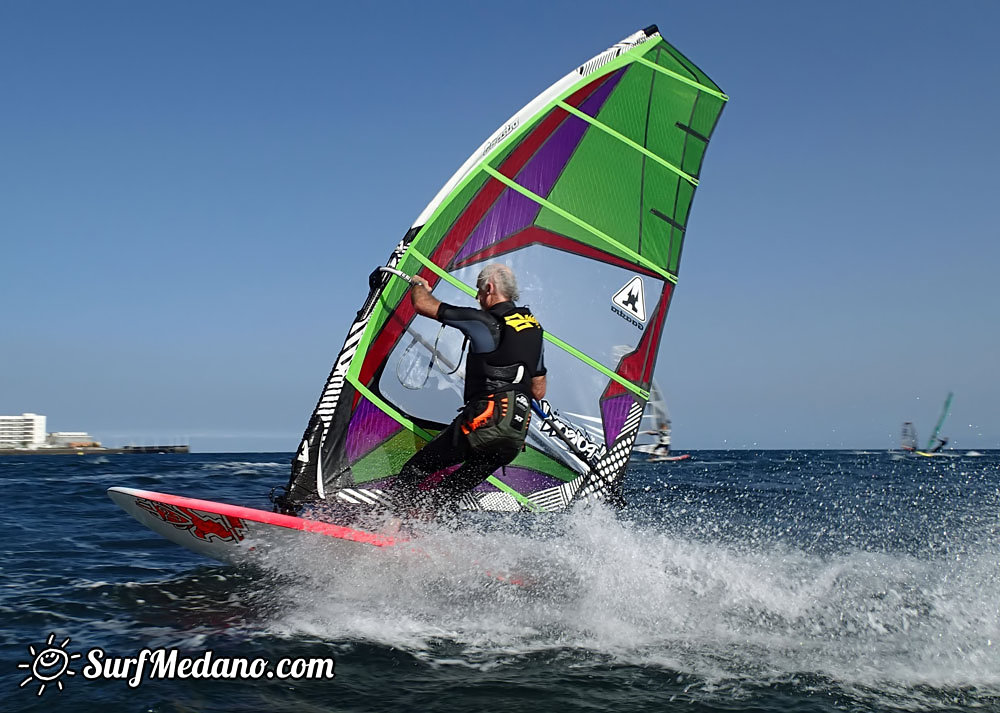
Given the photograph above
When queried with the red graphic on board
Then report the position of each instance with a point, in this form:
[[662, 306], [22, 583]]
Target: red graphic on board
[[204, 526]]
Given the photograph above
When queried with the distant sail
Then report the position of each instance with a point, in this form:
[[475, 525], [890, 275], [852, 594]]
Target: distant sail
[[586, 194], [654, 435], [934, 443], [658, 406]]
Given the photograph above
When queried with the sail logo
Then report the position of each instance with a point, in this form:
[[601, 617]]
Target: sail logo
[[630, 302], [495, 141], [554, 427]]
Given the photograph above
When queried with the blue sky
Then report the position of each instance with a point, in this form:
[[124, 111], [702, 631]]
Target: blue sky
[[194, 194]]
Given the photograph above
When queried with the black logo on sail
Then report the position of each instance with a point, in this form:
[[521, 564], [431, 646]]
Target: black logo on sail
[[630, 302]]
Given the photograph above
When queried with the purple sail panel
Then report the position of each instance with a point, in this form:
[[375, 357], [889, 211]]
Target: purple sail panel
[[596, 100], [509, 214], [542, 171], [369, 427], [523, 480], [513, 211], [614, 411]]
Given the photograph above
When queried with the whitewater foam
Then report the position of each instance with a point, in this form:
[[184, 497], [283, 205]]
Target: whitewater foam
[[637, 595]]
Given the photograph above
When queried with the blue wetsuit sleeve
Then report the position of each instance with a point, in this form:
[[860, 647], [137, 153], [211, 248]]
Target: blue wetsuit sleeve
[[481, 328]]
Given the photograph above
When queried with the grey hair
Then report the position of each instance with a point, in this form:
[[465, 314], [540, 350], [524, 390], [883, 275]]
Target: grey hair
[[502, 278]]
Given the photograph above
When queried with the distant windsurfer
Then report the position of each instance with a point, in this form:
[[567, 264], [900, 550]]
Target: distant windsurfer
[[504, 370], [662, 447]]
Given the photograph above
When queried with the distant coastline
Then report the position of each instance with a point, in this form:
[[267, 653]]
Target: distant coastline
[[88, 450]]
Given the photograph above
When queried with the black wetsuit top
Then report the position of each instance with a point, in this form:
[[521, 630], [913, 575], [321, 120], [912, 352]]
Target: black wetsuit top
[[501, 339]]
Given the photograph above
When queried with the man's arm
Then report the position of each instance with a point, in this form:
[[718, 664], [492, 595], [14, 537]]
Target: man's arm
[[478, 326], [423, 301], [538, 387], [538, 381]]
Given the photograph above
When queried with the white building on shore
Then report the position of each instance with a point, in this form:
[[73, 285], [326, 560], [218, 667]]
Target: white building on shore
[[71, 439], [24, 431]]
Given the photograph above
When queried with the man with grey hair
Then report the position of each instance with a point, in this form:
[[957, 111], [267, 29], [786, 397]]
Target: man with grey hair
[[504, 370]]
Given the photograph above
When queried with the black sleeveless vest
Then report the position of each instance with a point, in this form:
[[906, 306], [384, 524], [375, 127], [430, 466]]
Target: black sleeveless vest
[[514, 362]]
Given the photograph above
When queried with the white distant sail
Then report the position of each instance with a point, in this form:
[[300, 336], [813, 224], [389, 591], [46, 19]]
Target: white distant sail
[[654, 433]]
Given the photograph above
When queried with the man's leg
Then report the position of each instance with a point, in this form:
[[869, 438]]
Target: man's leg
[[443, 450], [477, 467]]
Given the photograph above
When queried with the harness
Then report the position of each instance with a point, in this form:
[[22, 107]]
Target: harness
[[497, 421], [499, 418]]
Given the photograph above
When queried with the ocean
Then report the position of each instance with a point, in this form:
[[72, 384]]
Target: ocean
[[759, 581]]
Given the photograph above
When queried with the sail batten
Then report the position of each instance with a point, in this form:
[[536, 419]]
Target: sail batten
[[628, 142], [681, 78], [389, 410], [639, 259]]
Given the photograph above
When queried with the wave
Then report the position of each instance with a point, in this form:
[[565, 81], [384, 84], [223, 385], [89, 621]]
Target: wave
[[252, 466]]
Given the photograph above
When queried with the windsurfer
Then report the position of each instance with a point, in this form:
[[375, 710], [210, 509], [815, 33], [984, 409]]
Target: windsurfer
[[504, 370], [941, 443], [662, 439]]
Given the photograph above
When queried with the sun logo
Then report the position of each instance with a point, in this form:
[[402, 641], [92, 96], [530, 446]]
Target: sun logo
[[519, 321], [48, 665]]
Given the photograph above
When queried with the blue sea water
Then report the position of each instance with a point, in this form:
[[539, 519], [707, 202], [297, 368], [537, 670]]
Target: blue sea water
[[737, 581]]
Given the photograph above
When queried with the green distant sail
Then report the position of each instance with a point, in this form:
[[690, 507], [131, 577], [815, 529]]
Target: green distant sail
[[937, 428]]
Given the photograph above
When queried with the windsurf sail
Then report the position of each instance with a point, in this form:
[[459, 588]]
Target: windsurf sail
[[908, 439], [586, 194], [654, 434], [935, 443]]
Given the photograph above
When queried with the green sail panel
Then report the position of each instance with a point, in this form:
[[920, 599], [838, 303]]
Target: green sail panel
[[601, 186]]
